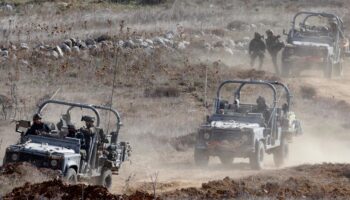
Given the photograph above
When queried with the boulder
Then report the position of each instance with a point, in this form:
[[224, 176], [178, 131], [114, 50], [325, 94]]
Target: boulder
[[59, 51]]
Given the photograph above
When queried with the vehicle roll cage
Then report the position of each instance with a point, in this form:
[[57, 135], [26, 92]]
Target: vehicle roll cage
[[313, 14], [92, 107], [237, 93]]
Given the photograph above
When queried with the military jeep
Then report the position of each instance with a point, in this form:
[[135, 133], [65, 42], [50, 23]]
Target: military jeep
[[315, 40], [239, 131], [57, 151]]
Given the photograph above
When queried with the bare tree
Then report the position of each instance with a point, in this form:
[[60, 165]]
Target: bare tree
[[128, 181], [154, 181]]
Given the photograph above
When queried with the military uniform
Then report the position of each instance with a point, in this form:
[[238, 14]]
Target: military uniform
[[38, 127], [273, 45], [257, 49]]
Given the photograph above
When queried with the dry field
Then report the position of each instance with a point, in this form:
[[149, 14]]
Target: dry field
[[160, 93]]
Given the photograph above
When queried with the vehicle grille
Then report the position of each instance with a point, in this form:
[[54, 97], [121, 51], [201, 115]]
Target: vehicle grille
[[36, 160]]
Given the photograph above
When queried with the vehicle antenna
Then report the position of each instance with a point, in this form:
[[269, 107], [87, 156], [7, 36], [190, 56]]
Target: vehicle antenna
[[113, 86]]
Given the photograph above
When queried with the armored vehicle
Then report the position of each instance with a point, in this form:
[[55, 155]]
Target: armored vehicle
[[315, 40], [244, 130], [61, 149]]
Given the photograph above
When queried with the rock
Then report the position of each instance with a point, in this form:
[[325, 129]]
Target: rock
[[253, 26], [237, 25], [90, 42], [207, 46], [65, 48], [231, 43], [24, 62], [219, 44], [74, 42], [102, 38], [4, 53], [150, 42], [183, 45], [228, 50], [129, 44], [54, 55], [8, 8], [138, 40], [59, 51], [121, 43], [247, 38], [81, 44], [169, 35], [106, 44], [69, 43], [76, 50], [159, 41], [24, 46], [92, 46], [144, 45], [168, 42]]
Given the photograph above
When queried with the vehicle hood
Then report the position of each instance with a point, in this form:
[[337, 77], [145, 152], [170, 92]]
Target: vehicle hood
[[313, 44], [44, 148], [233, 125]]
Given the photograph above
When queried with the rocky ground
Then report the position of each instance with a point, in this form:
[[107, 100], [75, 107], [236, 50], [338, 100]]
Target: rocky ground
[[157, 60]]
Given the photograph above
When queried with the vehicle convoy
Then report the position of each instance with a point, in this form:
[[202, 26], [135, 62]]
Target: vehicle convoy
[[94, 161], [244, 130], [315, 40]]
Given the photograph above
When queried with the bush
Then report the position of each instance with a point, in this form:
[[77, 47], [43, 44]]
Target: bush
[[162, 92]]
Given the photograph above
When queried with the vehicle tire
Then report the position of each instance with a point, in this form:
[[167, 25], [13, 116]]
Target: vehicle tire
[[201, 157], [106, 179], [226, 159], [338, 69], [281, 153], [71, 176], [256, 160]]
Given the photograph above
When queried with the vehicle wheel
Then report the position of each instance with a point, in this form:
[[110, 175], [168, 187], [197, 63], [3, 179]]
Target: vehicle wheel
[[281, 154], [257, 159], [71, 176], [106, 179], [226, 159], [338, 69], [201, 157]]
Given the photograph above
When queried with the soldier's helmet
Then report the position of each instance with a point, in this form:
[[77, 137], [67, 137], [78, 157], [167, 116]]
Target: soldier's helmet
[[269, 32], [260, 101], [37, 116], [257, 35], [87, 118]]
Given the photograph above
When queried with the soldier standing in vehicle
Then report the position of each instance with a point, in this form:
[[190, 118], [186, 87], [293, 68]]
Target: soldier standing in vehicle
[[87, 133], [38, 126], [273, 45], [257, 49]]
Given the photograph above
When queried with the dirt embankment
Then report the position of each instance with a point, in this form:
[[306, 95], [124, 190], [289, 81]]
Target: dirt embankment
[[327, 181], [15, 175]]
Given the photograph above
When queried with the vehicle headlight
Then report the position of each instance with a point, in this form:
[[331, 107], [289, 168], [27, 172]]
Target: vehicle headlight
[[206, 136], [53, 163], [14, 157]]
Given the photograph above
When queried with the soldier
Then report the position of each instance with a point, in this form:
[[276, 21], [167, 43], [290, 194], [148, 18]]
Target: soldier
[[257, 49], [86, 133], [261, 107], [38, 126], [273, 45]]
